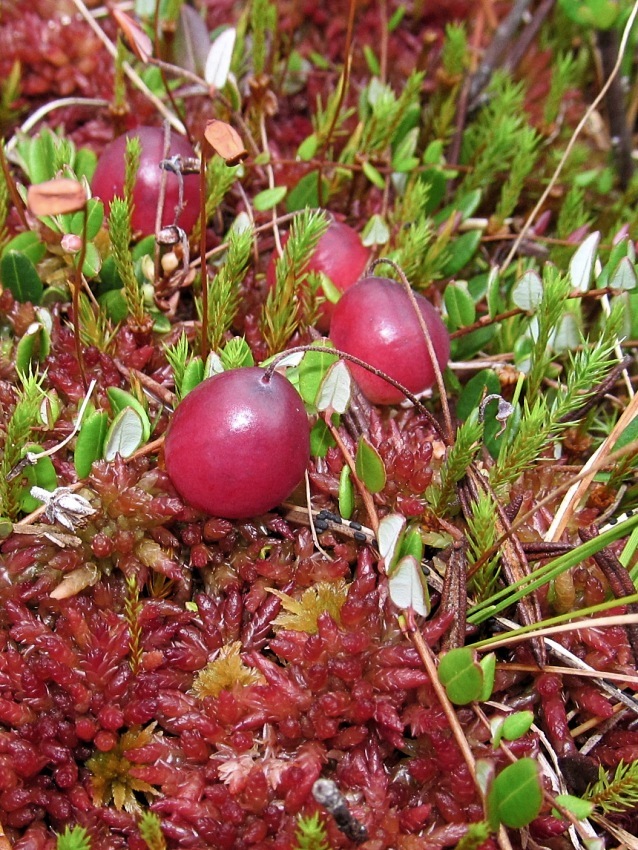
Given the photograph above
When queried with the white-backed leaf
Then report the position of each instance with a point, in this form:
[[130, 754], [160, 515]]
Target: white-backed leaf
[[527, 292], [376, 232], [290, 360], [336, 388], [567, 336], [582, 263], [625, 275], [389, 535], [192, 41], [219, 58], [407, 588], [214, 365], [125, 434]]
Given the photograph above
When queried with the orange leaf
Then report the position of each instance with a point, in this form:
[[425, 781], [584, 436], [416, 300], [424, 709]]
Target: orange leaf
[[55, 197], [138, 41], [225, 141]]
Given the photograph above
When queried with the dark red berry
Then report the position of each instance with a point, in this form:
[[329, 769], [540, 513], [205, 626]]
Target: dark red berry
[[108, 180], [376, 322], [238, 444]]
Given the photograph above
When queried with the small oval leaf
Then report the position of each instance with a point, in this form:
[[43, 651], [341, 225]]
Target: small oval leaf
[[119, 399], [369, 466], [20, 276], [269, 198], [516, 796], [90, 442], [125, 435], [346, 493], [461, 675]]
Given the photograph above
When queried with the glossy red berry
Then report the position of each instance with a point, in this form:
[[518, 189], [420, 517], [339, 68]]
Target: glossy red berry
[[376, 322], [238, 444], [341, 256], [108, 179]]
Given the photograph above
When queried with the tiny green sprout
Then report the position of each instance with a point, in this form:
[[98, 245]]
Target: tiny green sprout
[[311, 833], [73, 838], [151, 831]]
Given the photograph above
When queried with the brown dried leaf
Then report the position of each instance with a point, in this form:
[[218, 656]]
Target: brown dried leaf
[[140, 44], [225, 141], [54, 197]]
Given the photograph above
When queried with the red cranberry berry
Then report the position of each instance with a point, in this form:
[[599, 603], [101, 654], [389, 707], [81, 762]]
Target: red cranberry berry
[[376, 322], [238, 444], [108, 179], [341, 256]]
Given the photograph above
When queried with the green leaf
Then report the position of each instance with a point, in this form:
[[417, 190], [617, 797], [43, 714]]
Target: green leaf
[[516, 796], [193, 375], [484, 383], [269, 198], [461, 675], [306, 192], [120, 399], [580, 808], [369, 466], [308, 148], [517, 724], [459, 306], [346, 492], [20, 276], [488, 666], [42, 474], [407, 586], [27, 243], [34, 345], [95, 219], [374, 176], [92, 261], [125, 434], [312, 370], [412, 544], [466, 205], [335, 389], [461, 252], [320, 439], [114, 305], [90, 442]]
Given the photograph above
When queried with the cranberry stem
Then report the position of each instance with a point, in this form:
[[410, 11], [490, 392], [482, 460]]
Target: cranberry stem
[[428, 341], [77, 285], [365, 494], [202, 248], [324, 349]]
